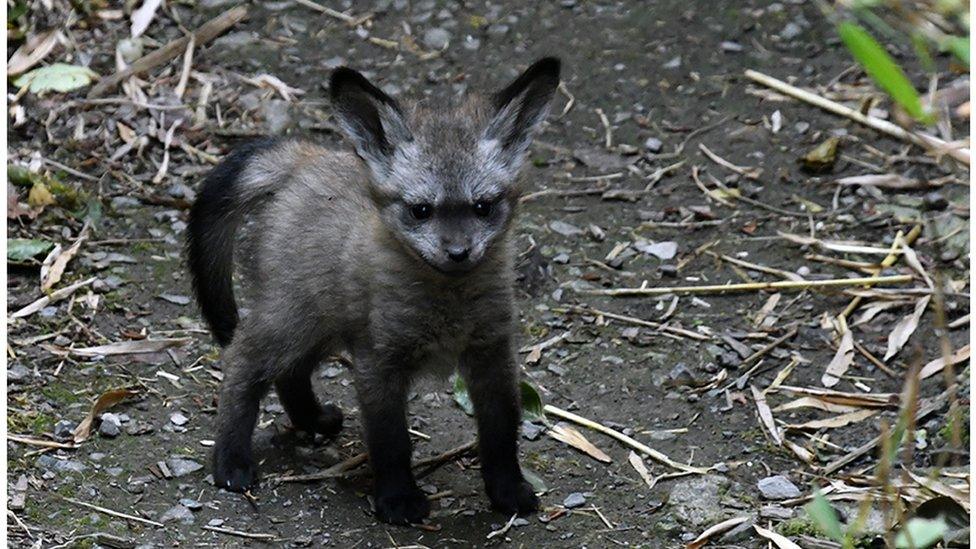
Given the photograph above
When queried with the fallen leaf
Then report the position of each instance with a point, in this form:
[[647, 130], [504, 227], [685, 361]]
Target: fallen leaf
[[884, 180], [32, 52], [142, 16], [814, 402], [714, 530], [905, 328], [104, 402], [638, 464], [781, 541], [57, 77], [841, 362], [872, 310], [834, 422], [766, 415], [129, 347], [52, 275], [39, 196], [940, 363], [822, 157], [566, 434], [660, 250], [20, 250]]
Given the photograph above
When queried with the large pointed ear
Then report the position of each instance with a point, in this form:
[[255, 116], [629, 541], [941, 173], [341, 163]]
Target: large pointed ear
[[369, 117], [521, 107]]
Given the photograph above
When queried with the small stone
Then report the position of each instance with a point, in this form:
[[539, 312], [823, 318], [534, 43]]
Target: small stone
[[471, 43], [731, 47], [178, 419], [331, 372], [776, 512], [803, 271], [215, 522], [562, 258], [64, 429], [177, 513], [17, 373], [801, 127], [934, 201], [498, 29], [565, 229], [790, 31], [673, 63], [182, 467], [668, 270], [681, 375], [777, 488], [191, 504], [653, 144], [110, 426], [530, 430], [574, 500], [436, 38]]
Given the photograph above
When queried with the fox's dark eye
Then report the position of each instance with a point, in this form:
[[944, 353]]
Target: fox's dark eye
[[421, 211], [482, 208]]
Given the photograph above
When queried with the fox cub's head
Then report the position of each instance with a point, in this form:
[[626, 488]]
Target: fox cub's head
[[444, 176]]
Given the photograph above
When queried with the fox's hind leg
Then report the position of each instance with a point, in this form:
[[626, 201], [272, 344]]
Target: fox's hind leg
[[294, 388], [256, 357]]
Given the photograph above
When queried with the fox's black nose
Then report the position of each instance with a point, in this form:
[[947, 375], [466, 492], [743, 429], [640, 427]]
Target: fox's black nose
[[457, 253]]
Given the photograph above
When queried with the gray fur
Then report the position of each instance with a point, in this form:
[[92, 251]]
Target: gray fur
[[340, 263]]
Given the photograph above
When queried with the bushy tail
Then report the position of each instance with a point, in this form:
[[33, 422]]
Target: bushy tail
[[214, 218]]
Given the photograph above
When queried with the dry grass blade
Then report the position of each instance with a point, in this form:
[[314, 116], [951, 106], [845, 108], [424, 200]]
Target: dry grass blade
[[112, 513], [55, 296], [31, 441], [842, 360], [905, 328], [766, 415], [940, 363], [744, 171], [942, 489], [207, 32], [876, 400], [814, 402], [885, 181], [779, 540], [643, 448], [833, 245], [567, 435], [53, 274], [750, 287], [714, 530], [104, 402], [924, 140], [130, 347], [834, 422]]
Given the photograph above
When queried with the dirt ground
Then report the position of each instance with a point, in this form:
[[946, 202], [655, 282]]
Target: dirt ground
[[668, 71]]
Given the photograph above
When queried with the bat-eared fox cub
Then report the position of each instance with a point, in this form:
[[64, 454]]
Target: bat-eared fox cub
[[399, 253]]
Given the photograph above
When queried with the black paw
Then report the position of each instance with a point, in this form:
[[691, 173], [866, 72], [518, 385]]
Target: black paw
[[326, 421], [233, 470], [512, 496], [406, 507]]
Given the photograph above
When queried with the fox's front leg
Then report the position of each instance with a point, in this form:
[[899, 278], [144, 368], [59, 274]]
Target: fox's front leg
[[492, 377], [381, 385]]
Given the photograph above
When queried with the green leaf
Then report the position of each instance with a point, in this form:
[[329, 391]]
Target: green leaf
[[57, 77], [531, 401], [958, 46], [532, 408], [19, 175], [882, 68], [825, 517], [920, 533], [462, 396], [20, 250]]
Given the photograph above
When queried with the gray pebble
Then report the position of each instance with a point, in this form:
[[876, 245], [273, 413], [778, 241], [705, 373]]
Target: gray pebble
[[778, 487], [574, 500]]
